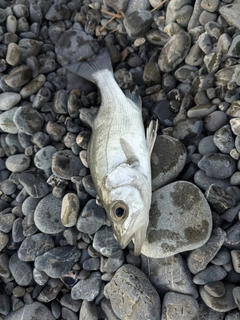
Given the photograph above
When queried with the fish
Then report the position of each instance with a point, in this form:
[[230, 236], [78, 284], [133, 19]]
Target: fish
[[119, 152]]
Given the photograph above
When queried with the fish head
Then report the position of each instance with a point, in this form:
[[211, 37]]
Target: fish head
[[129, 214]]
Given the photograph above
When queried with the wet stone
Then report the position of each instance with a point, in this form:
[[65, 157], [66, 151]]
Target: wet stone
[[18, 163], [128, 291], [138, 23], [65, 164], [70, 209], [217, 165], [91, 218], [221, 304], [224, 139], [47, 215], [180, 219], [87, 289], [9, 100], [104, 241], [34, 246], [21, 271], [58, 261], [210, 274], [199, 258], [174, 152], [174, 52], [169, 274], [43, 158], [176, 305]]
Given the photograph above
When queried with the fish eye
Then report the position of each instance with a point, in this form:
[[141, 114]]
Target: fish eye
[[119, 211]]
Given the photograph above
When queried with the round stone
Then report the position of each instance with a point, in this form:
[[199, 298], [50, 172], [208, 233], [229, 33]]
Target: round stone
[[18, 76], [28, 120], [34, 184], [43, 158], [33, 86], [21, 271], [13, 54], [9, 100], [180, 220], [70, 209], [18, 163], [138, 23], [47, 215], [6, 121]]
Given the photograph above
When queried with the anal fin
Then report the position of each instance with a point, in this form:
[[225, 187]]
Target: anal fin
[[151, 134]]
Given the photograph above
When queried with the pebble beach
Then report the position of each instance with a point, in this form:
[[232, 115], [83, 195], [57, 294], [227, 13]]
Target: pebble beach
[[59, 259]]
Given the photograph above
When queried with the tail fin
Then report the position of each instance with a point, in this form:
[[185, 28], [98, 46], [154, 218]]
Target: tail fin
[[87, 69]]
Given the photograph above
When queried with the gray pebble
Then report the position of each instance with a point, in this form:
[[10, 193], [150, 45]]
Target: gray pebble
[[89, 186], [40, 277], [236, 296], [176, 305], [231, 13], [87, 289], [206, 17], [224, 139], [210, 6], [215, 289], [233, 50], [236, 260], [210, 274], [6, 222], [33, 86], [221, 304], [17, 163], [13, 54], [187, 129], [18, 76], [179, 211], [138, 23], [60, 102], [17, 231], [9, 100], [4, 261], [88, 311], [104, 242], [91, 218], [219, 199], [113, 263], [47, 215], [58, 261], [174, 52], [50, 291], [8, 187], [201, 111], [69, 303], [23, 119], [34, 184], [215, 120], [166, 168], [6, 121], [21, 271], [194, 56], [158, 38], [65, 164], [91, 264], [34, 246], [58, 12], [3, 240], [207, 145], [130, 287], [43, 158], [235, 125], [186, 73], [234, 109], [55, 131], [203, 181], [233, 315], [194, 20], [199, 258]]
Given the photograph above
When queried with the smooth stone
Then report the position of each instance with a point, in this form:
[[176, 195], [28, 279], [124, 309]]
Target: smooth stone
[[132, 295], [70, 209], [136, 5], [217, 165], [224, 139], [34, 246], [87, 289], [50, 291], [234, 109], [201, 111], [65, 164], [29, 204], [151, 74], [113, 263], [6, 121], [29, 311], [215, 120], [137, 23], [215, 289], [18, 163], [236, 296], [195, 56], [169, 274], [13, 54], [231, 13], [18, 76], [17, 230], [9, 100], [58, 12], [68, 302], [206, 313], [236, 260], [171, 164], [176, 306], [4, 262], [91, 218], [186, 73], [187, 129], [88, 311], [3, 240], [34, 184], [58, 261], [212, 61], [11, 24], [158, 38], [33, 86], [210, 274], [23, 119], [55, 131], [21, 271], [207, 145], [220, 304], [47, 215], [5, 303], [173, 9], [60, 102], [40, 277], [6, 222], [235, 125], [104, 241], [174, 52], [29, 47], [199, 258], [43, 158], [180, 220], [91, 264]]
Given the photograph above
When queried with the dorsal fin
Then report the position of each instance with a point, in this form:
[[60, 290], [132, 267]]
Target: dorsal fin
[[151, 134]]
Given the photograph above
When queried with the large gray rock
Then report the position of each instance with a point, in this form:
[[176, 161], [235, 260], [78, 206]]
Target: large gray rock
[[180, 220]]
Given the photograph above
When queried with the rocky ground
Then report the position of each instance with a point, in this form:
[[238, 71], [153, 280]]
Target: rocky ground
[[58, 256]]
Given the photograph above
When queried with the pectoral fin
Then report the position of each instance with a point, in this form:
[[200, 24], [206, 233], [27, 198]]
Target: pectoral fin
[[132, 159], [152, 134]]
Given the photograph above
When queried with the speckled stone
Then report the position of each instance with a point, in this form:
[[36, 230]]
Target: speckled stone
[[9, 100], [70, 209], [180, 220], [21, 271], [18, 163], [138, 23], [43, 158], [28, 120], [6, 121], [87, 289]]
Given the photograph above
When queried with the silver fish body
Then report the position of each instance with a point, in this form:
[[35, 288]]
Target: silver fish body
[[119, 154]]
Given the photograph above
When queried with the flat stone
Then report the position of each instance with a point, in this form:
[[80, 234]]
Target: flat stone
[[188, 129], [6, 121], [231, 13], [9, 100], [43, 158], [34, 184], [47, 215], [18, 76], [169, 274], [33, 86], [13, 53], [132, 295], [88, 311], [167, 160], [206, 313], [87, 289], [28, 120], [137, 23], [21, 271], [104, 241], [210, 274], [176, 306], [223, 139], [180, 220], [58, 261], [70, 209], [215, 289], [18, 163]]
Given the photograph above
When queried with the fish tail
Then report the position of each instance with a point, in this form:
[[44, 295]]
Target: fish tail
[[88, 69]]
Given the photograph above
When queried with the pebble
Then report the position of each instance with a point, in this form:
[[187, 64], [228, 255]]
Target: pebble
[[199, 258], [88, 311], [57, 261], [113, 263], [215, 289], [236, 260], [34, 184], [47, 215], [236, 296], [23, 119], [215, 120], [224, 139], [6, 222], [87, 289], [3, 240], [174, 222], [13, 54], [210, 274], [91, 218], [137, 23], [169, 274], [230, 13], [17, 163], [9, 100], [33, 86], [6, 121], [168, 155], [187, 129], [201, 111], [104, 242], [65, 164], [207, 145], [70, 209], [234, 109], [20, 270], [174, 52], [4, 260], [176, 306], [18, 76], [132, 295], [43, 158]]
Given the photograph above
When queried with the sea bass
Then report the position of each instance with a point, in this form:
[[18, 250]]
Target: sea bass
[[118, 153]]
